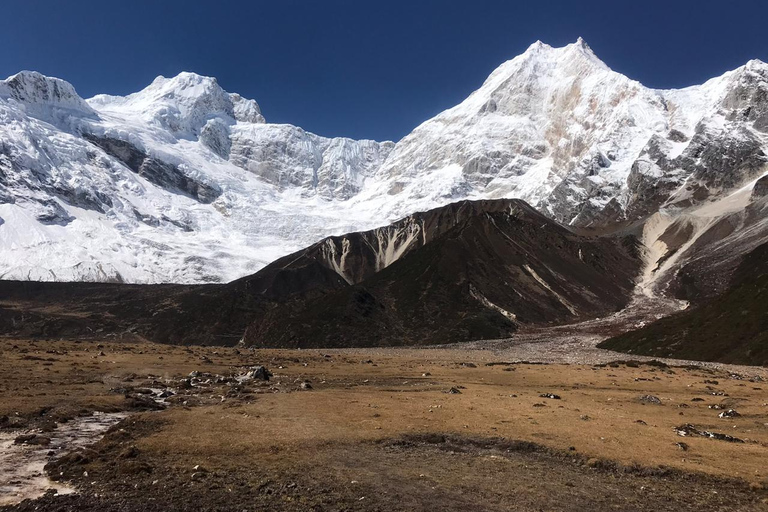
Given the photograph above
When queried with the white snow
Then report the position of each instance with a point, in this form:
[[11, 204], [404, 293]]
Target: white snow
[[540, 120]]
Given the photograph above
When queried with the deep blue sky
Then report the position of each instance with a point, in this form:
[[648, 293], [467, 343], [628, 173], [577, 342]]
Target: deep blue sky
[[365, 69]]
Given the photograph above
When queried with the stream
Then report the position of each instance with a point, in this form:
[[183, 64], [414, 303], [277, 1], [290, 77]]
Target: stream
[[21, 466]]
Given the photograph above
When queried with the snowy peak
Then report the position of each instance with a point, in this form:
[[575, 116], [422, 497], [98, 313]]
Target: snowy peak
[[543, 70], [182, 104], [578, 49], [574, 58], [538, 118], [187, 105], [37, 91]]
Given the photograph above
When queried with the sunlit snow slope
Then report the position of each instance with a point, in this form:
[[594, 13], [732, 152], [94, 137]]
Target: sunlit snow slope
[[184, 182]]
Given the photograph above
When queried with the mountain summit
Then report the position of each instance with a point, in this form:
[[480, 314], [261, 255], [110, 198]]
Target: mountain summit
[[186, 182]]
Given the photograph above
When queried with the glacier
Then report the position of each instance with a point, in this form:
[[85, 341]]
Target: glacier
[[184, 182]]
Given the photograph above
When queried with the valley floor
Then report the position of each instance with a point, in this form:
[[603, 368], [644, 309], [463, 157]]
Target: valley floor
[[384, 429]]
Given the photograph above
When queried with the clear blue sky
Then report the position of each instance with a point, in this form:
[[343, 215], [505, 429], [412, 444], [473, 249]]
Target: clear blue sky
[[365, 69]]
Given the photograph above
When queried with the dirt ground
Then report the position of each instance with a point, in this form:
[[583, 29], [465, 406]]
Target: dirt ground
[[402, 429]]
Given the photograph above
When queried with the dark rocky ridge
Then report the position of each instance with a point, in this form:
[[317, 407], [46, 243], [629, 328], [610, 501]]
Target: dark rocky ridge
[[464, 271], [156, 171], [731, 328], [480, 279]]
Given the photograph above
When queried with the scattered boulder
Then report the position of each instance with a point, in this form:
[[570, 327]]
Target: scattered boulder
[[32, 439], [259, 373], [650, 399], [551, 396], [306, 385], [142, 403], [730, 413], [690, 430], [454, 391]]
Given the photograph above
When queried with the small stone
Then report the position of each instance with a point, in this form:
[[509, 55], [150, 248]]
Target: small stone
[[650, 399]]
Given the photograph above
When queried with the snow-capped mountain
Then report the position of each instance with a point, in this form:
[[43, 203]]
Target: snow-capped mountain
[[180, 182], [184, 182]]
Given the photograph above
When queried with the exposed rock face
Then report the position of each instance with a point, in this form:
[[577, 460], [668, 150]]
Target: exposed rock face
[[708, 167], [761, 188], [246, 111], [155, 171], [290, 158], [51, 212], [215, 136], [747, 100]]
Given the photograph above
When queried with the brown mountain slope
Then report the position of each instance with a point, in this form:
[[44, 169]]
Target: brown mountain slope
[[480, 279], [731, 328]]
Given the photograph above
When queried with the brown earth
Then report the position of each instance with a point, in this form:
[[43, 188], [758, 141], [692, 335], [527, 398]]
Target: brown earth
[[379, 430]]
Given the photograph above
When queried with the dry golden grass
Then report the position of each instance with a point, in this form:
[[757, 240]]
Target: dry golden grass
[[401, 392]]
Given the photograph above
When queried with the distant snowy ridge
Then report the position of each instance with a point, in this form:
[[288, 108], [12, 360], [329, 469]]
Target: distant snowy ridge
[[185, 182]]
